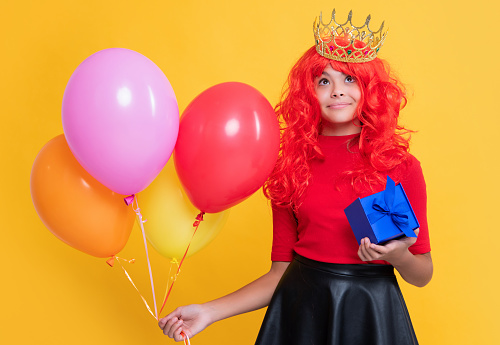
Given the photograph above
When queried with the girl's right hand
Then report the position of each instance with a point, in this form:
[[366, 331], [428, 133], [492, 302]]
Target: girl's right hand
[[194, 318], [190, 319]]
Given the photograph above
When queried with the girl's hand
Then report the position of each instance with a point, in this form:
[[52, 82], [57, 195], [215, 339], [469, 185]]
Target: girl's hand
[[393, 251], [190, 319]]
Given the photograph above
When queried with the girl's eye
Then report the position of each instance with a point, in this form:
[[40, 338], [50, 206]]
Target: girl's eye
[[350, 79], [323, 81]]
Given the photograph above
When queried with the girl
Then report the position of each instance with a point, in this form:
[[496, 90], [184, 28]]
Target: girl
[[340, 140]]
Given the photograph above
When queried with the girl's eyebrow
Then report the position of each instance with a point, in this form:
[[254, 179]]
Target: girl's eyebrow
[[328, 75]]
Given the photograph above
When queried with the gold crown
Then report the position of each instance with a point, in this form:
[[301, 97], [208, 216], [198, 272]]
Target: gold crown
[[347, 42]]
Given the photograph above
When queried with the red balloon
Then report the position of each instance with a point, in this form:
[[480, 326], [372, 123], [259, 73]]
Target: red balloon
[[227, 146]]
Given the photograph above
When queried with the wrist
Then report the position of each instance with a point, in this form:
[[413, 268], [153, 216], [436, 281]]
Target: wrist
[[212, 312]]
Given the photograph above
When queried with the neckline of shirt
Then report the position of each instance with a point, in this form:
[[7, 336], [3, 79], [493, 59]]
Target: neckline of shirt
[[335, 140]]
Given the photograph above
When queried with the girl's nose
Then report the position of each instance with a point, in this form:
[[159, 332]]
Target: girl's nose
[[337, 93]]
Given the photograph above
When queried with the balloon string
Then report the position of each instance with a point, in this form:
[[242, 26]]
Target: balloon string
[[196, 224], [186, 338], [174, 261], [137, 211], [111, 262], [199, 218]]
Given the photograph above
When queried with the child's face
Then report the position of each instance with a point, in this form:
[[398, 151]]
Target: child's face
[[338, 95]]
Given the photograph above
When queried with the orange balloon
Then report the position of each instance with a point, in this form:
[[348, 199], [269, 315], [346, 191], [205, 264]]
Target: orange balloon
[[74, 206]]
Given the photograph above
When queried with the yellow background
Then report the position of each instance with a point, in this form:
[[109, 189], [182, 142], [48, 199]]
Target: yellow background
[[445, 51]]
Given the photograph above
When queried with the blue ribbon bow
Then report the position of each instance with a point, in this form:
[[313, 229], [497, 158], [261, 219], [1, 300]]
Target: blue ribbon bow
[[384, 206]]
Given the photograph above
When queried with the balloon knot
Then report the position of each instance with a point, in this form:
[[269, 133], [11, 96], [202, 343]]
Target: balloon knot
[[199, 218], [129, 199], [111, 261]]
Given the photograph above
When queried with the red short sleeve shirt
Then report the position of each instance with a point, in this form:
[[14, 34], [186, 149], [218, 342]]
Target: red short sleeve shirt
[[320, 229]]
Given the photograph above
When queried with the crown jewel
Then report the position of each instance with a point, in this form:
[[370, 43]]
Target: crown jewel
[[347, 42]]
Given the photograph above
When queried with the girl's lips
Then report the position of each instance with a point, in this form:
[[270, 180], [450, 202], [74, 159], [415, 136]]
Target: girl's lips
[[338, 105]]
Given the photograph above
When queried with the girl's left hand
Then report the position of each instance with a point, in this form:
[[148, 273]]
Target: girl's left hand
[[392, 251]]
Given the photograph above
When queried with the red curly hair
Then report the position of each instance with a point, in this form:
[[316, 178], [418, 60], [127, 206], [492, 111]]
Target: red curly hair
[[382, 143]]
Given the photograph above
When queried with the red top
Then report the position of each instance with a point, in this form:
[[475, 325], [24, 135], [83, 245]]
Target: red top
[[320, 230]]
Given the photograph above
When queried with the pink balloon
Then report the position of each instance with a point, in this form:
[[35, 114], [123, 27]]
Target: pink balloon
[[120, 118]]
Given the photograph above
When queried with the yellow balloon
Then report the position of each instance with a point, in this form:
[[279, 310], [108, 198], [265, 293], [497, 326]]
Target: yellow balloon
[[170, 217]]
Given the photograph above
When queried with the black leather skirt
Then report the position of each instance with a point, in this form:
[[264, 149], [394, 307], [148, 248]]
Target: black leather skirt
[[318, 303]]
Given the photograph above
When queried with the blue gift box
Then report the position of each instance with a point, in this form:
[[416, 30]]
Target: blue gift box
[[382, 216]]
